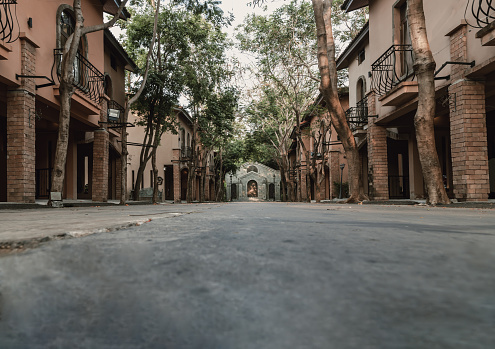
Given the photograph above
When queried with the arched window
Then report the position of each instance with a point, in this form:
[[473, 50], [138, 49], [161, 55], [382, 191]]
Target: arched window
[[252, 168], [66, 24], [108, 86], [360, 89], [188, 139], [183, 139]]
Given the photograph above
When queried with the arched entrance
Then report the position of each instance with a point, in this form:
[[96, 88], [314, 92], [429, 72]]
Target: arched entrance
[[252, 189], [233, 191], [271, 192]]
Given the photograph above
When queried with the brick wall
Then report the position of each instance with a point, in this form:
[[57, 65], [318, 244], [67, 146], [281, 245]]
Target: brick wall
[[100, 166], [21, 116], [468, 132], [377, 155], [176, 165]]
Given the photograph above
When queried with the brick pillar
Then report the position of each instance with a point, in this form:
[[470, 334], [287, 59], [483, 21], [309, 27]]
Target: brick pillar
[[377, 155], [21, 134], [118, 178], [176, 166], [468, 132], [100, 166]]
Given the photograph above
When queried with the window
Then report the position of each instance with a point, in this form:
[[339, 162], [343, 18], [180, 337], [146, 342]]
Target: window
[[133, 179], [113, 62], [361, 56], [66, 27]]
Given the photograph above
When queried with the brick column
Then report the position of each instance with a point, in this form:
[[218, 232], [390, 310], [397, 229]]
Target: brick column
[[118, 178], [468, 132], [377, 155], [100, 166], [176, 166], [21, 131]]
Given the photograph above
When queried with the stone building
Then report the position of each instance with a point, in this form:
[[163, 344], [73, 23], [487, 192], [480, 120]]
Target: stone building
[[30, 54], [384, 90], [253, 182]]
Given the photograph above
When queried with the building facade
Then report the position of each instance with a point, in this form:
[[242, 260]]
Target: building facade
[[384, 90], [30, 54], [253, 182], [174, 157]]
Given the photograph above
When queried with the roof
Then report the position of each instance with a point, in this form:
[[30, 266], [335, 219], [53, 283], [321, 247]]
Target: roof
[[345, 57], [131, 66], [351, 5], [111, 7], [184, 112]]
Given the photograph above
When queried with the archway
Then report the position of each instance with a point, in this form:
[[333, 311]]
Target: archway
[[252, 189], [233, 191], [271, 191]]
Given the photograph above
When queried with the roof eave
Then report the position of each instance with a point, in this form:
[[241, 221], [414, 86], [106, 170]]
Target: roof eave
[[343, 60], [351, 5]]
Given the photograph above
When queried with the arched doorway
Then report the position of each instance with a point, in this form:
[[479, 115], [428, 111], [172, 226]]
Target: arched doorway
[[212, 190], [252, 189], [233, 191], [271, 192], [183, 183]]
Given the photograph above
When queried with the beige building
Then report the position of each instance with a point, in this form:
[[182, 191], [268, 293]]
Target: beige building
[[29, 101], [173, 159], [384, 90]]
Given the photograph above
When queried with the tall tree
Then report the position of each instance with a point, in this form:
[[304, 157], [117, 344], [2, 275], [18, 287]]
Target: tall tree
[[67, 89], [285, 50], [328, 87], [424, 67]]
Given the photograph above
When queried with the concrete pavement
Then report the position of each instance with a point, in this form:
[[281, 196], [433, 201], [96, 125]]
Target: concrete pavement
[[21, 228]]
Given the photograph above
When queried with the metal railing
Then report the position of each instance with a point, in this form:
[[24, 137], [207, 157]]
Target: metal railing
[[185, 153], [392, 68], [87, 78], [43, 182], [358, 115], [8, 21], [483, 12]]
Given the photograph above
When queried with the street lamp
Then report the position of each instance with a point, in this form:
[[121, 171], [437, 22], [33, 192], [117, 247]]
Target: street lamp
[[341, 173], [231, 187]]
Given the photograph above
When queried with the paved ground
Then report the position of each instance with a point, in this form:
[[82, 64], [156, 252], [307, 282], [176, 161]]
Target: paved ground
[[261, 275]]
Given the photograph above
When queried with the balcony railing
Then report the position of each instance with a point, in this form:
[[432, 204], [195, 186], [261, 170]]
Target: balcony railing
[[8, 21], [483, 12], [358, 116], [185, 153], [87, 78], [392, 68]]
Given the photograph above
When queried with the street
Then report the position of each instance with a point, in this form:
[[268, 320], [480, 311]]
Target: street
[[260, 275]]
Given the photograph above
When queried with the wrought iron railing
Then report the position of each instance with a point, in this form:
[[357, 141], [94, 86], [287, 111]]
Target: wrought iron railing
[[87, 78], [483, 12], [8, 21], [43, 182], [392, 68], [185, 153], [358, 116]]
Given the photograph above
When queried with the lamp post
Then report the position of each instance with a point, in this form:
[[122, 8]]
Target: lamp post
[[341, 173], [164, 185], [274, 186], [231, 187]]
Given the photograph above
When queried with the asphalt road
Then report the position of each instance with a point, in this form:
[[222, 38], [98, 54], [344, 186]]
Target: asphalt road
[[261, 275]]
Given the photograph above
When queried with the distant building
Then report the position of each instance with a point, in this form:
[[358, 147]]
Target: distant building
[[253, 182]]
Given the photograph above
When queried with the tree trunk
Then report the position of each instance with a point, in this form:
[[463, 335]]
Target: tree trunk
[[219, 195], [123, 158], [424, 67], [328, 87]]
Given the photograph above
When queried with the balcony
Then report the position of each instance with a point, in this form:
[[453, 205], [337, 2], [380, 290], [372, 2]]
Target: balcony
[[484, 15], [87, 79], [9, 25], [357, 116], [392, 68], [185, 153]]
